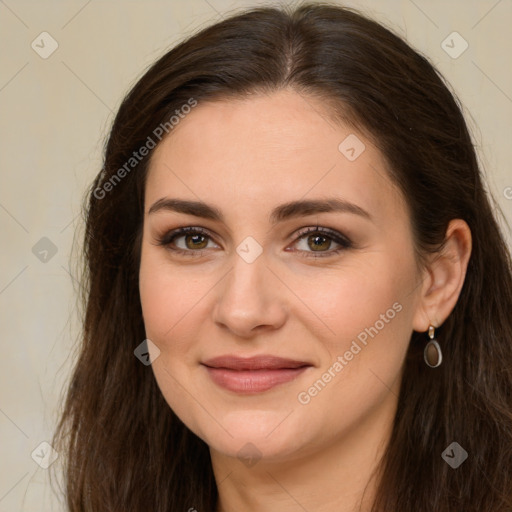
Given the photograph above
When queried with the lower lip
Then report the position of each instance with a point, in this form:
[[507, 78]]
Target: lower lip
[[253, 381]]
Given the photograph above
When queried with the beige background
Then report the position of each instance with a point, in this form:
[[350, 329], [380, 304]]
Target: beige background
[[55, 115]]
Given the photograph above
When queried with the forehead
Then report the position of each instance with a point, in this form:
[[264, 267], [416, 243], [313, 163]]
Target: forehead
[[268, 149]]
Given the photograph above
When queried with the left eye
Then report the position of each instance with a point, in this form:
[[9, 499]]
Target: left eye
[[317, 241]]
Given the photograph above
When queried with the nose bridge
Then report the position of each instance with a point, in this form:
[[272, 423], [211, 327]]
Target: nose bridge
[[248, 297]]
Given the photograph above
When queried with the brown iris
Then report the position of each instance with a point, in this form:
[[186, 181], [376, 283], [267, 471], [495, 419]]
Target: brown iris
[[316, 245], [195, 238]]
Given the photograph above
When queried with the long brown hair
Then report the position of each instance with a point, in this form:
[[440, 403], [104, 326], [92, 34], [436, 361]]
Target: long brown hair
[[124, 448]]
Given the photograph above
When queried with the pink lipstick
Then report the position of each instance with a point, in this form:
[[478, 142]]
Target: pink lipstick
[[254, 374]]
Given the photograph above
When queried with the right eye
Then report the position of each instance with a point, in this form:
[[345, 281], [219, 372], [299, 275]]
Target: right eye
[[195, 240]]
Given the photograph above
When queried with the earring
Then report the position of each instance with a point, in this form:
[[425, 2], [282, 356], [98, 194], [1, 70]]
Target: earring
[[432, 353]]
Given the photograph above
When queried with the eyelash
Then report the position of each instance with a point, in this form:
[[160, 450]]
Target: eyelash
[[340, 239]]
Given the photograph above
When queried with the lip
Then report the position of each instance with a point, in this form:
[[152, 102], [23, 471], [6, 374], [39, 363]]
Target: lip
[[262, 362], [254, 374]]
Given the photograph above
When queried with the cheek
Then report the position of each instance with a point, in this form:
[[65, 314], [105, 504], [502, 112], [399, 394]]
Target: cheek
[[350, 299], [170, 304], [166, 295], [368, 309], [371, 315]]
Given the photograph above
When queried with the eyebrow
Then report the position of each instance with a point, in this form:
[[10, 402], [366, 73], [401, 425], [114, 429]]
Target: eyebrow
[[282, 212]]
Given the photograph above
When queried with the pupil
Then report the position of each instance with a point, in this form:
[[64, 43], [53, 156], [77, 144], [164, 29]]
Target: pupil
[[318, 241], [195, 239]]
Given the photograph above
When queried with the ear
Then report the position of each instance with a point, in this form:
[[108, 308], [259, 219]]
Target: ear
[[444, 277]]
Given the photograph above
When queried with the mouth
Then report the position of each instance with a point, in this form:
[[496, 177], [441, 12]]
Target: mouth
[[255, 374]]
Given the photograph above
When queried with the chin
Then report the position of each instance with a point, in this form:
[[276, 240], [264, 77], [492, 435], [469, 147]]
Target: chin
[[272, 436]]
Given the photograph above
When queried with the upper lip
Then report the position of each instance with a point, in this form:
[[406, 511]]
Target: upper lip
[[263, 362]]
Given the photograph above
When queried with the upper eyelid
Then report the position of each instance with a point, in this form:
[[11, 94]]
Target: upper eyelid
[[294, 237]]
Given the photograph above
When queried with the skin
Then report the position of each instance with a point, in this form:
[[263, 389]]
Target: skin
[[246, 157]]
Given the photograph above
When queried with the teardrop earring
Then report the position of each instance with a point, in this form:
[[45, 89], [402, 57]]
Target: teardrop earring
[[432, 353]]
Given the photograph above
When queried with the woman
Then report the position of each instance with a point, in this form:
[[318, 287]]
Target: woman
[[297, 295]]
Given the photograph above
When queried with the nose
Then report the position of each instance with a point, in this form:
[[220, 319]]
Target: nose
[[250, 299]]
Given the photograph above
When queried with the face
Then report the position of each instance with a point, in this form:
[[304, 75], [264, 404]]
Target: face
[[309, 308]]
